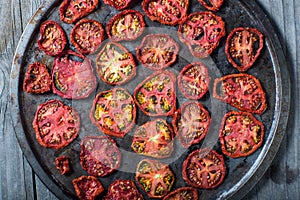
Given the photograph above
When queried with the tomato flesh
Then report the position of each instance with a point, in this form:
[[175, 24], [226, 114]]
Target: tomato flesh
[[87, 187], [184, 193], [123, 189], [62, 164], [212, 5], [118, 4]]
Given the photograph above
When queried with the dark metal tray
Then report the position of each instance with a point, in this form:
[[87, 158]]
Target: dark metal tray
[[242, 173]]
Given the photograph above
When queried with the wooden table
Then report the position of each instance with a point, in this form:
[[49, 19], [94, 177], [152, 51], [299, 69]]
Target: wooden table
[[17, 179]]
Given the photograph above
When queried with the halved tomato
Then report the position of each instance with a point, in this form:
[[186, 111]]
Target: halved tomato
[[87, 187], [202, 32], [114, 112], [123, 189], [242, 91], [241, 134], [62, 164], [157, 51], [184, 193], [156, 95], [213, 5], [119, 4], [115, 64]]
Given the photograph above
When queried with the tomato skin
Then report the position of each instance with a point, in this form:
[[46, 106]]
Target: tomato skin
[[87, 187], [214, 4], [52, 39], [242, 91], [119, 4], [184, 193], [59, 126], [62, 164], [87, 36], [71, 11], [120, 21], [240, 47], [241, 134], [202, 32], [123, 189], [201, 166]]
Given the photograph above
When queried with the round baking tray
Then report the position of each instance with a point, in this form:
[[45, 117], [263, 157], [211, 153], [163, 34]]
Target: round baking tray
[[242, 173]]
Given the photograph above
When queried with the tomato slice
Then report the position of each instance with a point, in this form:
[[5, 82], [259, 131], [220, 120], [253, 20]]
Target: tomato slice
[[119, 4], [154, 177], [202, 32], [156, 95], [123, 189], [154, 139], [204, 168], [87, 187], [62, 164], [114, 112], [193, 80], [243, 46], [37, 79], [191, 123], [99, 155], [71, 11], [157, 51], [242, 91], [87, 36], [212, 5], [55, 124], [241, 134], [52, 39], [115, 64], [170, 12], [184, 193], [73, 76]]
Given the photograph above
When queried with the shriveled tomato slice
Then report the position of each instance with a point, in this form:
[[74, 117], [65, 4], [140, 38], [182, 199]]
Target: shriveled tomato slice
[[204, 168], [170, 12], [87, 36], [242, 91], [243, 46], [37, 79], [241, 134], [157, 51], [73, 76], [72, 10], [213, 5], [119, 4], [193, 80], [115, 64], [154, 138], [202, 32], [55, 124], [99, 155], [62, 164], [184, 193], [87, 187], [127, 25], [191, 123], [123, 189], [114, 112], [156, 95], [52, 38], [154, 177]]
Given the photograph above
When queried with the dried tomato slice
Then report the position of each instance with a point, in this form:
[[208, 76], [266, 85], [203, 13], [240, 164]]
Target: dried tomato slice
[[242, 91], [157, 51], [37, 79], [114, 112], [202, 32], [184, 193], [72, 10], [156, 95], [99, 155], [154, 138], [115, 64], [213, 5], [123, 189], [243, 46], [52, 39], [170, 12], [154, 177], [73, 76], [87, 36], [241, 134], [55, 124], [204, 168], [193, 80], [191, 123], [87, 187], [127, 25], [62, 164], [119, 4]]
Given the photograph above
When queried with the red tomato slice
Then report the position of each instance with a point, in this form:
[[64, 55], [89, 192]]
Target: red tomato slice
[[87, 187], [119, 4], [123, 189], [212, 5], [62, 164], [184, 193]]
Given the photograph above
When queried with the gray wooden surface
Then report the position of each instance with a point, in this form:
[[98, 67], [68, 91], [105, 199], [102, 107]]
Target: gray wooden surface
[[17, 179]]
